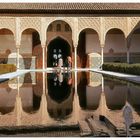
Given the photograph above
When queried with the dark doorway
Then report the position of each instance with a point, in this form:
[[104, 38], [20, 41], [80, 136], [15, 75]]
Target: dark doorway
[[57, 48]]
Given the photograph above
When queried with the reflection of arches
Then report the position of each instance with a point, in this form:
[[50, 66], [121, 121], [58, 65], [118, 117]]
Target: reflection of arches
[[89, 97], [7, 100], [57, 47], [31, 95], [133, 97], [30, 100], [115, 48], [88, 43], [81, 89], [60, 96], [58, 90], [115, 99]]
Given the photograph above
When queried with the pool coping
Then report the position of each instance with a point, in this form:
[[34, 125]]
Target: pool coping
[[127, 77]]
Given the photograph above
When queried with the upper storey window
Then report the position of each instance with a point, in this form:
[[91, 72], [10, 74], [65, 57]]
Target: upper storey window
[[58, 27]]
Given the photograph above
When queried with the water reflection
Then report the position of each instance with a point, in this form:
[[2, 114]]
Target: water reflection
[[7, 98], [89, 91], [60, 95], [31, 94], [59, 86], [133, 97], [115, 93], [51, 97]]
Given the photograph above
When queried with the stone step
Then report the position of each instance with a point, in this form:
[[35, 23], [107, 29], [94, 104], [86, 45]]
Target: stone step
[[84, 128], [99, 128]]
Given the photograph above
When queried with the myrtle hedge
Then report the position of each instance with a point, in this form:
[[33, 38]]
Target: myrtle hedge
[[5, 68], [122, 68]]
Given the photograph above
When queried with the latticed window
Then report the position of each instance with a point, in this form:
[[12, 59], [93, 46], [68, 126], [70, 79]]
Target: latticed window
[[67, 28], [58, 27]]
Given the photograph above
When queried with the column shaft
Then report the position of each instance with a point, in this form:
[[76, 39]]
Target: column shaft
[[75, 58], [128, 56], [102, 54], [17, 60], [43, 59]]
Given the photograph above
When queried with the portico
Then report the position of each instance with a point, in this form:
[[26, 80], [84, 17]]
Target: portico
[[111, 36]]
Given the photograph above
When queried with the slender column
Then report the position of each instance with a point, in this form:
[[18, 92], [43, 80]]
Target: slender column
[[43, 59], [127, 44], [102, 53], [128, 56], [17, 60], [75, 57]]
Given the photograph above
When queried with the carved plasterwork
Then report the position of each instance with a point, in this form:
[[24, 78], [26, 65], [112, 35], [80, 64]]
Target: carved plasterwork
[[135, 23], [8, 23], [116, 22], [89, 22], [30, 22], [69, 20]]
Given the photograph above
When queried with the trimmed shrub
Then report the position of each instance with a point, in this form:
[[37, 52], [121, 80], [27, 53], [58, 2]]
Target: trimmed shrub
[[5, 68], [122, 68]]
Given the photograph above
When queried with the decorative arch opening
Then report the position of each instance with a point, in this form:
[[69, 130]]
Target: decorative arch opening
[[58, 48], [87, 44], [31, 49], [60, 36], [7, 47], [115, 49], [134, 48]]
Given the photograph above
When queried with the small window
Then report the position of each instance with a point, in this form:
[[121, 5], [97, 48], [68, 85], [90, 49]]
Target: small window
[[58, 27], [50, 27], [67, 28]]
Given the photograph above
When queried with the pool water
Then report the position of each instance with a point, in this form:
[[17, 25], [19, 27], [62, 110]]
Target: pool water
[[40, 98]]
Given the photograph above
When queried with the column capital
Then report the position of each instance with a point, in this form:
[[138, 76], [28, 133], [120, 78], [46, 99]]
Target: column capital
[[102, 45], [43, 46], [17, 46], [75, 45]]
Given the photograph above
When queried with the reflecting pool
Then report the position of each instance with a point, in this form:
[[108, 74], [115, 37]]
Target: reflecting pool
[[65, 98]]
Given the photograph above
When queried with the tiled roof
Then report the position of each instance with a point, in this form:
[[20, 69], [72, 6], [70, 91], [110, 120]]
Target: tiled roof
[[69, 6]]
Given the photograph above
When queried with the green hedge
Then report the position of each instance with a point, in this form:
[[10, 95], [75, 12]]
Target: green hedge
[[5, 68], [122, 68]]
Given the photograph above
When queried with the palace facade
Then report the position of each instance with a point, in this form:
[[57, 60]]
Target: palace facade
[[36, 35]]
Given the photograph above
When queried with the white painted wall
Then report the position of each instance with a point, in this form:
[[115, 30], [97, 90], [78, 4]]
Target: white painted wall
[[135, 43], [116, 42], [92, 43], [8, 42]]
